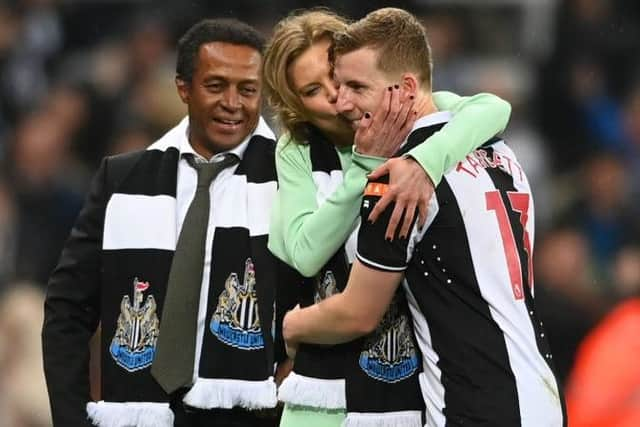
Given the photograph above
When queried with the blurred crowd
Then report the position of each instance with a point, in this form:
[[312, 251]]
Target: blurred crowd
[[83, 79]]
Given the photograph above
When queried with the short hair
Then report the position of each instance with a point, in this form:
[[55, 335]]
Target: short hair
[[397, 35], [291, 38], [206, 31]]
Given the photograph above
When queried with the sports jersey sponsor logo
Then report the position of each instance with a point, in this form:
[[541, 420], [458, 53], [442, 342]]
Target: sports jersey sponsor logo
[[389, 354], [235, 321], [134, 343]]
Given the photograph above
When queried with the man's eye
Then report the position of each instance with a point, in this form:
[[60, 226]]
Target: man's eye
[[356, 87], [249, 90], [214, 87]]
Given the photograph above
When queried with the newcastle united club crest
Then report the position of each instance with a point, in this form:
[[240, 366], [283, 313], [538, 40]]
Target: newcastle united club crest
[[326, 287], [389, 354], [235, 321], [134, 344]]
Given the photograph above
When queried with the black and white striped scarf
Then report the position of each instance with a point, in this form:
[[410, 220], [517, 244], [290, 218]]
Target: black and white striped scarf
[[140, 234], [375, 379]]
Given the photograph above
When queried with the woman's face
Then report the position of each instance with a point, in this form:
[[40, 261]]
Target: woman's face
[[312, 82]]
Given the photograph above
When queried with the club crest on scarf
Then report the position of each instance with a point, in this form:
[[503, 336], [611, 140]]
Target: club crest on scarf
[[134, 344], [235, 321], [389, 354], [325, 287]]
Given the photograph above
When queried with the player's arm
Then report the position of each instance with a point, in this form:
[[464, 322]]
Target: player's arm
[[348, 315], [374, 278]]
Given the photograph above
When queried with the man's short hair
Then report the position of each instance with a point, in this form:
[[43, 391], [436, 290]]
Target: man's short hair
[[209, 31], [399, 38]]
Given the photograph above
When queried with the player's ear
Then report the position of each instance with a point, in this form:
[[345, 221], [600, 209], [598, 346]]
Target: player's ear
[[409, 82]]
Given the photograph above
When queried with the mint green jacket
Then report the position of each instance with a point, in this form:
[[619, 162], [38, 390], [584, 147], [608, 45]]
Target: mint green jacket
[[305, 235]]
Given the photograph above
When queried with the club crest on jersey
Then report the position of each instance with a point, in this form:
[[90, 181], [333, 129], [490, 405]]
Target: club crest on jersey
[[325, 287], [389, 354], [134, 344], [235, 321]]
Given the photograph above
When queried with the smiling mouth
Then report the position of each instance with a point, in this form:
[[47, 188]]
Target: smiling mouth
[[228, 122]]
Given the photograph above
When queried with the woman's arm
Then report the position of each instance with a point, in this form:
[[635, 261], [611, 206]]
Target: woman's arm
[[476, 119], [412, 179], [303, 234]]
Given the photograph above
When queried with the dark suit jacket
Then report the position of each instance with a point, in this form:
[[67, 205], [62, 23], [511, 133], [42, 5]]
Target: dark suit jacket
[[89, 278]]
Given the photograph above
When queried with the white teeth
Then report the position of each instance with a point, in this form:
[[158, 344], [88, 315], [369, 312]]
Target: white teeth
[[229, 122]]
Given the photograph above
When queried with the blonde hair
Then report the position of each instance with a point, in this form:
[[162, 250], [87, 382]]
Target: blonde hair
[[397, 35], [291, 38]]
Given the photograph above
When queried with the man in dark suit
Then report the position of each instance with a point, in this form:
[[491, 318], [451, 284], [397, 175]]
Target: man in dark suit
[[186, 327]]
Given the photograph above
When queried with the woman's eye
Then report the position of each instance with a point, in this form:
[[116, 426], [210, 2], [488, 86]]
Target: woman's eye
[[311, 92]]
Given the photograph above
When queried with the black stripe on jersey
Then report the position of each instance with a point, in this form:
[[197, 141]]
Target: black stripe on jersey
[[479, 385], [504, 183], [490, 142], [418, 136]]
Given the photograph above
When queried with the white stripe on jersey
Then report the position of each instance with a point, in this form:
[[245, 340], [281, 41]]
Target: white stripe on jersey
[[417, 234], [538, 395], [430, 378], [367, 261]]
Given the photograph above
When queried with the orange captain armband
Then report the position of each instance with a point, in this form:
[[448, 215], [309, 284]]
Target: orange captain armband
[[375, 189]]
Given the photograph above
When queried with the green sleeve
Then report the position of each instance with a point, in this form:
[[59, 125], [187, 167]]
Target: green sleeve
[[303, 234], [475, 120]]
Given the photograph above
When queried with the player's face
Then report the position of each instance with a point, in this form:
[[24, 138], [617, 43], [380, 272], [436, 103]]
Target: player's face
[[223, 97], [310, 75], [361, 84]]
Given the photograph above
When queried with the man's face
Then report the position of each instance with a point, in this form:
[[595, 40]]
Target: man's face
[[361, 83], [223, 97]]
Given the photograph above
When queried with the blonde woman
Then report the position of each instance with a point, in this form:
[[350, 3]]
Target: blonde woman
[[322, 177]]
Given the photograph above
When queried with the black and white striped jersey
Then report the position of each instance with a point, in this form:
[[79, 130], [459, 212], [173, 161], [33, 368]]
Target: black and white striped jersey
[[469, 282]]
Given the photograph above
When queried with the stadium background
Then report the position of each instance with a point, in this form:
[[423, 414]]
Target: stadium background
[[80, 79]]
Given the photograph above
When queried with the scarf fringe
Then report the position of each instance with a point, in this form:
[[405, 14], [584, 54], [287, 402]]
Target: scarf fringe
[[208, 393], [300, 390], [383, 419], [125, 414]]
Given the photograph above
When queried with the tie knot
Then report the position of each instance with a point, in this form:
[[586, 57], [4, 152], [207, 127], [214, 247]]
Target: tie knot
[[207, 171]]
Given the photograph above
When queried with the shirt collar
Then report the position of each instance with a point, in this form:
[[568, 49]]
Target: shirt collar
[[432, 119]]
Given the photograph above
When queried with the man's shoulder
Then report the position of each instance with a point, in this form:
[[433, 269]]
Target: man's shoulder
[[126, 161], [140, 164], [125, 158]]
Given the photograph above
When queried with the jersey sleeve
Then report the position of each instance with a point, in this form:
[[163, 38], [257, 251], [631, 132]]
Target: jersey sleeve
[[374, 250]]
